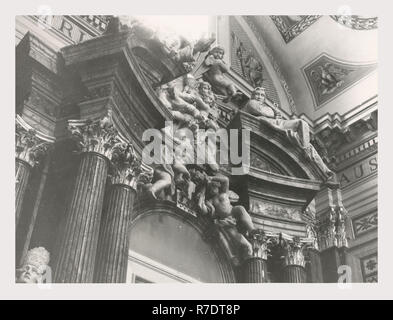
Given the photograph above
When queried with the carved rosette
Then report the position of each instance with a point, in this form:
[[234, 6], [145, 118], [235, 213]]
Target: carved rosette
[[28, 146], [98, 136], [125, 165]]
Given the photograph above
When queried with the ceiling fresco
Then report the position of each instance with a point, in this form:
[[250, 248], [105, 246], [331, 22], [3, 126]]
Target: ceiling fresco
[[328, 77]]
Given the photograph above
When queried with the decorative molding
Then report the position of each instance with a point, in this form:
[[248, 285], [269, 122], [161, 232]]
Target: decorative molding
[[275, 210], [97, 22], [155, 270], [328, 77], [344, 141], [365, 112], [357, 22], [367, 145], [291, 26]]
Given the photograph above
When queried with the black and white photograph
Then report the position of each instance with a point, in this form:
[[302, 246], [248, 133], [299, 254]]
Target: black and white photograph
[[223, 152], [205, 149]]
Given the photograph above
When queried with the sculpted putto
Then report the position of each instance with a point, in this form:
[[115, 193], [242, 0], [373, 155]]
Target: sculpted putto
[[170, 173], [193, 104], [214, 200], [182, 110], [208, 97], [34, 267], [297, 130], [215, 75]]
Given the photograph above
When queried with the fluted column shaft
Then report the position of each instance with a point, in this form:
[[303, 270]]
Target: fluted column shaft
[[22, 174], [255, 266], [294, 270], [77, 254], [112, 257], [255, 270], [295, 274], [30, 148]]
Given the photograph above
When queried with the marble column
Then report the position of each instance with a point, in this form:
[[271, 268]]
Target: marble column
[[29, 149], [255, 266], [294, 263], [112, 256], [79, 239]]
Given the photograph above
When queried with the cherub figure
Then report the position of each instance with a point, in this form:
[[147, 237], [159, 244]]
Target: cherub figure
[[215, 74], [214, 200], [191, 95], [208, 97], [178, 116], [183, 111], [170, 170]]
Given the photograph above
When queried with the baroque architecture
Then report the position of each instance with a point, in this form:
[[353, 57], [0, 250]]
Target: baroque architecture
[[296, 117]]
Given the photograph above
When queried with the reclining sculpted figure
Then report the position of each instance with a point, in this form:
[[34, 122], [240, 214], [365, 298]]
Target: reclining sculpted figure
[[297, 130]]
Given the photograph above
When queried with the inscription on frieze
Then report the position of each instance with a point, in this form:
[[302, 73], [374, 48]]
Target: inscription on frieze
[[358, 171], [68, 26]]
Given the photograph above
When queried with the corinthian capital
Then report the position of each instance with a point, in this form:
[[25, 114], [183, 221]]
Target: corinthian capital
[[98, 135], [260, 242], [125, 165], [29, 146], [294, 248], [332, 231]]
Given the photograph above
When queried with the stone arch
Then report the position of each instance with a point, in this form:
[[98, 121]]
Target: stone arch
[[167, 234]]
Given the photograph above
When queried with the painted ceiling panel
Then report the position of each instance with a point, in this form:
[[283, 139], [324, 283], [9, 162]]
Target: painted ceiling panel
[[329, 63], [328, 77]]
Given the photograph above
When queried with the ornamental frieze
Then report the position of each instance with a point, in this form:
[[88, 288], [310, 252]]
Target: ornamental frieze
[[275, 210]]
